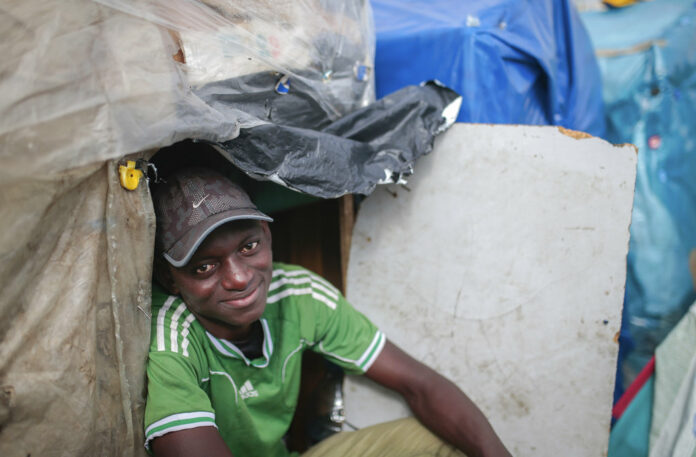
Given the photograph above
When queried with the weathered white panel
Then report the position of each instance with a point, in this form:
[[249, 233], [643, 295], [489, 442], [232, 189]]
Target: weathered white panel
[[502, 265]]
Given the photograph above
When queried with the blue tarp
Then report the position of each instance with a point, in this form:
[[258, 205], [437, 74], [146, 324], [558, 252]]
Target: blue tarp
[[513, 61], [648, 63]]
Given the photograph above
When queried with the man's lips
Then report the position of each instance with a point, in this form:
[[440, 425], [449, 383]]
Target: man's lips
[[243, 302]]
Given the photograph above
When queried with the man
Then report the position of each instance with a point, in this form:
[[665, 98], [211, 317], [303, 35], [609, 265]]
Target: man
[[228, 333]]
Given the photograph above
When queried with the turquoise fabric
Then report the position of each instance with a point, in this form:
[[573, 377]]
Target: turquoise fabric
[[631, 433]]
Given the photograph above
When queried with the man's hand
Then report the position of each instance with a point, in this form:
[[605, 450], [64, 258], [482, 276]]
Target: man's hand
[[437, 402], [192, 442]]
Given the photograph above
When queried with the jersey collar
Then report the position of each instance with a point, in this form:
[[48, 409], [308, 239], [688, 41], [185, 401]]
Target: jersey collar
[[228, 349]]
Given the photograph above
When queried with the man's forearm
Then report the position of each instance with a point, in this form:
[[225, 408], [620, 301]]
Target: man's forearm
[[194, 442], [437, 402], [450, 414]]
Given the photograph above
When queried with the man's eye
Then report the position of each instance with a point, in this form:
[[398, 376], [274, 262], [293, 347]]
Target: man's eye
[[249, 246], [206, 267]]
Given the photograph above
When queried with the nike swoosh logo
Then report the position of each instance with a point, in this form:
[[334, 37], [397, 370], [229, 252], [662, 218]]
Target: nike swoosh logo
[[196, 205]]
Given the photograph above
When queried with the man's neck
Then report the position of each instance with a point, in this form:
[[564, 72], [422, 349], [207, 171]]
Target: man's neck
[[252, 345]]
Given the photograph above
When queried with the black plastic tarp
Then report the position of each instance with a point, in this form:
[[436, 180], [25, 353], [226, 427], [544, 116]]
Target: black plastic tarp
[[374, 145]]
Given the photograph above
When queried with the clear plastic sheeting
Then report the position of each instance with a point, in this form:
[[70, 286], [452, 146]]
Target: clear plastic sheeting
[[322, 48], [83, 82], [646, 54], [513, 62]]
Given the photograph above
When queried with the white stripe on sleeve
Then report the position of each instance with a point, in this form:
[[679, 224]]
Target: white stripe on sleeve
[[185, 332], [160, 321], [173, 326]]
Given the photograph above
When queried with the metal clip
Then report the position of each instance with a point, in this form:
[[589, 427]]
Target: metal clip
[[282, 87], [361, 72]]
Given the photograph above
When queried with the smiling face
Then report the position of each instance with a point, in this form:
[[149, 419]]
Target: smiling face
[[226, 281]]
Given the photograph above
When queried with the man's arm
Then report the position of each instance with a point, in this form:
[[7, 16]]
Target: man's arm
[[193, 442], [437, 402]]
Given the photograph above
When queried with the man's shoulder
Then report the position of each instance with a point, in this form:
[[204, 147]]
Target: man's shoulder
[[172, 324], [281, 268], [166, 305], [292, 284]]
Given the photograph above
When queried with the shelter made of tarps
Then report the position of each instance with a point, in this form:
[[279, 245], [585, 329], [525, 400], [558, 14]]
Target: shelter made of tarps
[[513, 62], [646, 55], [85, 85]]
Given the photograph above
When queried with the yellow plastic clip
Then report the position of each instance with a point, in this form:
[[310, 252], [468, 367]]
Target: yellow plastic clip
[[130, 176], [620, 3]]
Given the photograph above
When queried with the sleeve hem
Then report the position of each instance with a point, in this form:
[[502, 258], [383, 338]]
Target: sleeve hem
[[178, 422], [368, 357], [372, 352]]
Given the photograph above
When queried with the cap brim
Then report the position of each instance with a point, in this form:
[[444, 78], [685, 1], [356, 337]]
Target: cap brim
[[182, 251]]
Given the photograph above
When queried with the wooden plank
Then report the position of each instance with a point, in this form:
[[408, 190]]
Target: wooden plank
[[346, 221]]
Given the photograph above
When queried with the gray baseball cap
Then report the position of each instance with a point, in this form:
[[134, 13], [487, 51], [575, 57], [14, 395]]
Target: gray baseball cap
[[190, 205]]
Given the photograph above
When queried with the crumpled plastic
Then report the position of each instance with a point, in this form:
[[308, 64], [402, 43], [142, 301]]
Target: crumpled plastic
[[377, 144]]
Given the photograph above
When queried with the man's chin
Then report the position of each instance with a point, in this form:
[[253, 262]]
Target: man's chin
[[232, 327], [248, 316]]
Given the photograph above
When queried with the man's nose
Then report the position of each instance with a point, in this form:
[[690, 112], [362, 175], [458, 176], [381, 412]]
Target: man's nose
[[236, 275]]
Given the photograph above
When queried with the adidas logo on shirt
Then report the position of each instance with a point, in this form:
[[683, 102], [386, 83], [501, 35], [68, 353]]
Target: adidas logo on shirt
[[248, 390]]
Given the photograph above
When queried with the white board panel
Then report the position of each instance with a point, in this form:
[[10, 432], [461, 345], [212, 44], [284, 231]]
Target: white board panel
[[502, 265]]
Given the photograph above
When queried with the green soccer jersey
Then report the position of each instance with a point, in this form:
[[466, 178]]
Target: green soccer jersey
[[196, 379]]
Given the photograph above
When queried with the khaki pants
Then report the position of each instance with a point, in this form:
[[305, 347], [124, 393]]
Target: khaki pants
[[400, 438]]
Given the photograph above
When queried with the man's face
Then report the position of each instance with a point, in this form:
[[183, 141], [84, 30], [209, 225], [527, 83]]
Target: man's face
[[226, 281]]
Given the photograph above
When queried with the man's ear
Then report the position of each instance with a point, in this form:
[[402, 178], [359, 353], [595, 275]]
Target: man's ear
[[163, 275]]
